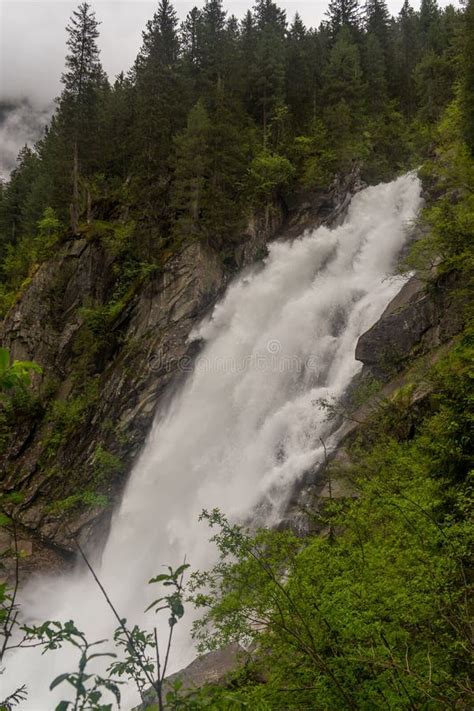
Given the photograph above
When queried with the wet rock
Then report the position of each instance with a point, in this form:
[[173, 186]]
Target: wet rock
[[414, 322], [212, 668], [385, 346]]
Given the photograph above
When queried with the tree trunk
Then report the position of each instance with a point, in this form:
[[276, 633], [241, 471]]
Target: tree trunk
[[75, 193]]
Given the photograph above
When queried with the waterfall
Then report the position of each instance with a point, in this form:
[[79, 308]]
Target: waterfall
[[244, 427]]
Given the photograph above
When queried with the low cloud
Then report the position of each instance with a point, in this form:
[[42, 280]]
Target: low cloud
[[20, 122]]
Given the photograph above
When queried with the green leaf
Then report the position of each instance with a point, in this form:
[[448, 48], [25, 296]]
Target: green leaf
[[181, 569], [63, 705], [59, 680], [159, 578]]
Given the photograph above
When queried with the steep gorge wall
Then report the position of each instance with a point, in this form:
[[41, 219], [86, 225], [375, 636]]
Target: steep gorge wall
[[88, 423]]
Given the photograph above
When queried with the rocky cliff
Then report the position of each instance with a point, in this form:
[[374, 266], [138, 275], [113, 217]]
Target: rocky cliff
[[104, 373]]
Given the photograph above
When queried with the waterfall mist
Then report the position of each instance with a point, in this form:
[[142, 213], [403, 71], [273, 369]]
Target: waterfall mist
[[244, 427]]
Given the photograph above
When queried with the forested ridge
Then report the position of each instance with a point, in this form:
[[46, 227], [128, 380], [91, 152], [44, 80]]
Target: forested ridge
[[219, 116], [218, 120]]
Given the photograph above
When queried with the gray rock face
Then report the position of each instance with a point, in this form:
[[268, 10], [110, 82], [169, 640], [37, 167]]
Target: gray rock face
[[414, 322], [145, 355], [151, 343], [211, 668]]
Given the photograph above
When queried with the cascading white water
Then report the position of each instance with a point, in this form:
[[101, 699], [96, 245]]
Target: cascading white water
[[245, 426]]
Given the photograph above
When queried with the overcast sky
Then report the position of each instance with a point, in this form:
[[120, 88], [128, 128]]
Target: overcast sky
[[32, 42]]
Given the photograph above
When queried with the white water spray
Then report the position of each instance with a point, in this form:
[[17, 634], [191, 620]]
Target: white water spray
[[245, 427]]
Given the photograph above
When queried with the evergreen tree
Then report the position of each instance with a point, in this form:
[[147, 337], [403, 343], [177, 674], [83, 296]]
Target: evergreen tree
[[118, 117], [175, 141], [79, 101], [376, 74], [299, 59], [407, 53], [434, 80], [159, 108], [14, 222], [343, 13], [430, 24], [189, 39], [344, 78], [211, 44], [268, 76], [467, 86], [268, 14], [377, 19], [228, 165], [191, 173]]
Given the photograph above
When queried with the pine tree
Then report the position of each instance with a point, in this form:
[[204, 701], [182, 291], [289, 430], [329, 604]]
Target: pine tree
[[228, 164], [189, 39], [118, 117], [407, 54], [268, 76], [159, 108], [211, 44], [191, 174], [429, 24], [14, 222], [344, 78], [377, 18], [268, 14], [79, 101], [433, 80], [299, 59], [467, 87], [376, 74], [343, 13]]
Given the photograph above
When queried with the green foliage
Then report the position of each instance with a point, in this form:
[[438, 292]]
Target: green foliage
[[83, 499], [376, 613], [63, 416], [88, 688], [105, 464], [448, 222], [17, 402], [467, 91], [268, 173], [49, 229], [199, 131], [16, 374]]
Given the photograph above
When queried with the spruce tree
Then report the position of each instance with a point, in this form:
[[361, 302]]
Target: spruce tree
[[79, 101], [376, 75], [430, 24], [407, 54], [191, 174], [467, 86], [377, 20], [344, 78], [343, 13], [159, 108], [189, 39], [228, 165], [268, 76], [299, 60], [211, 45], [268, 14]]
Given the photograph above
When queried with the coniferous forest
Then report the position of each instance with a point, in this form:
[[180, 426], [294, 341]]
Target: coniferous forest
[[222, 121], [219, 115]]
